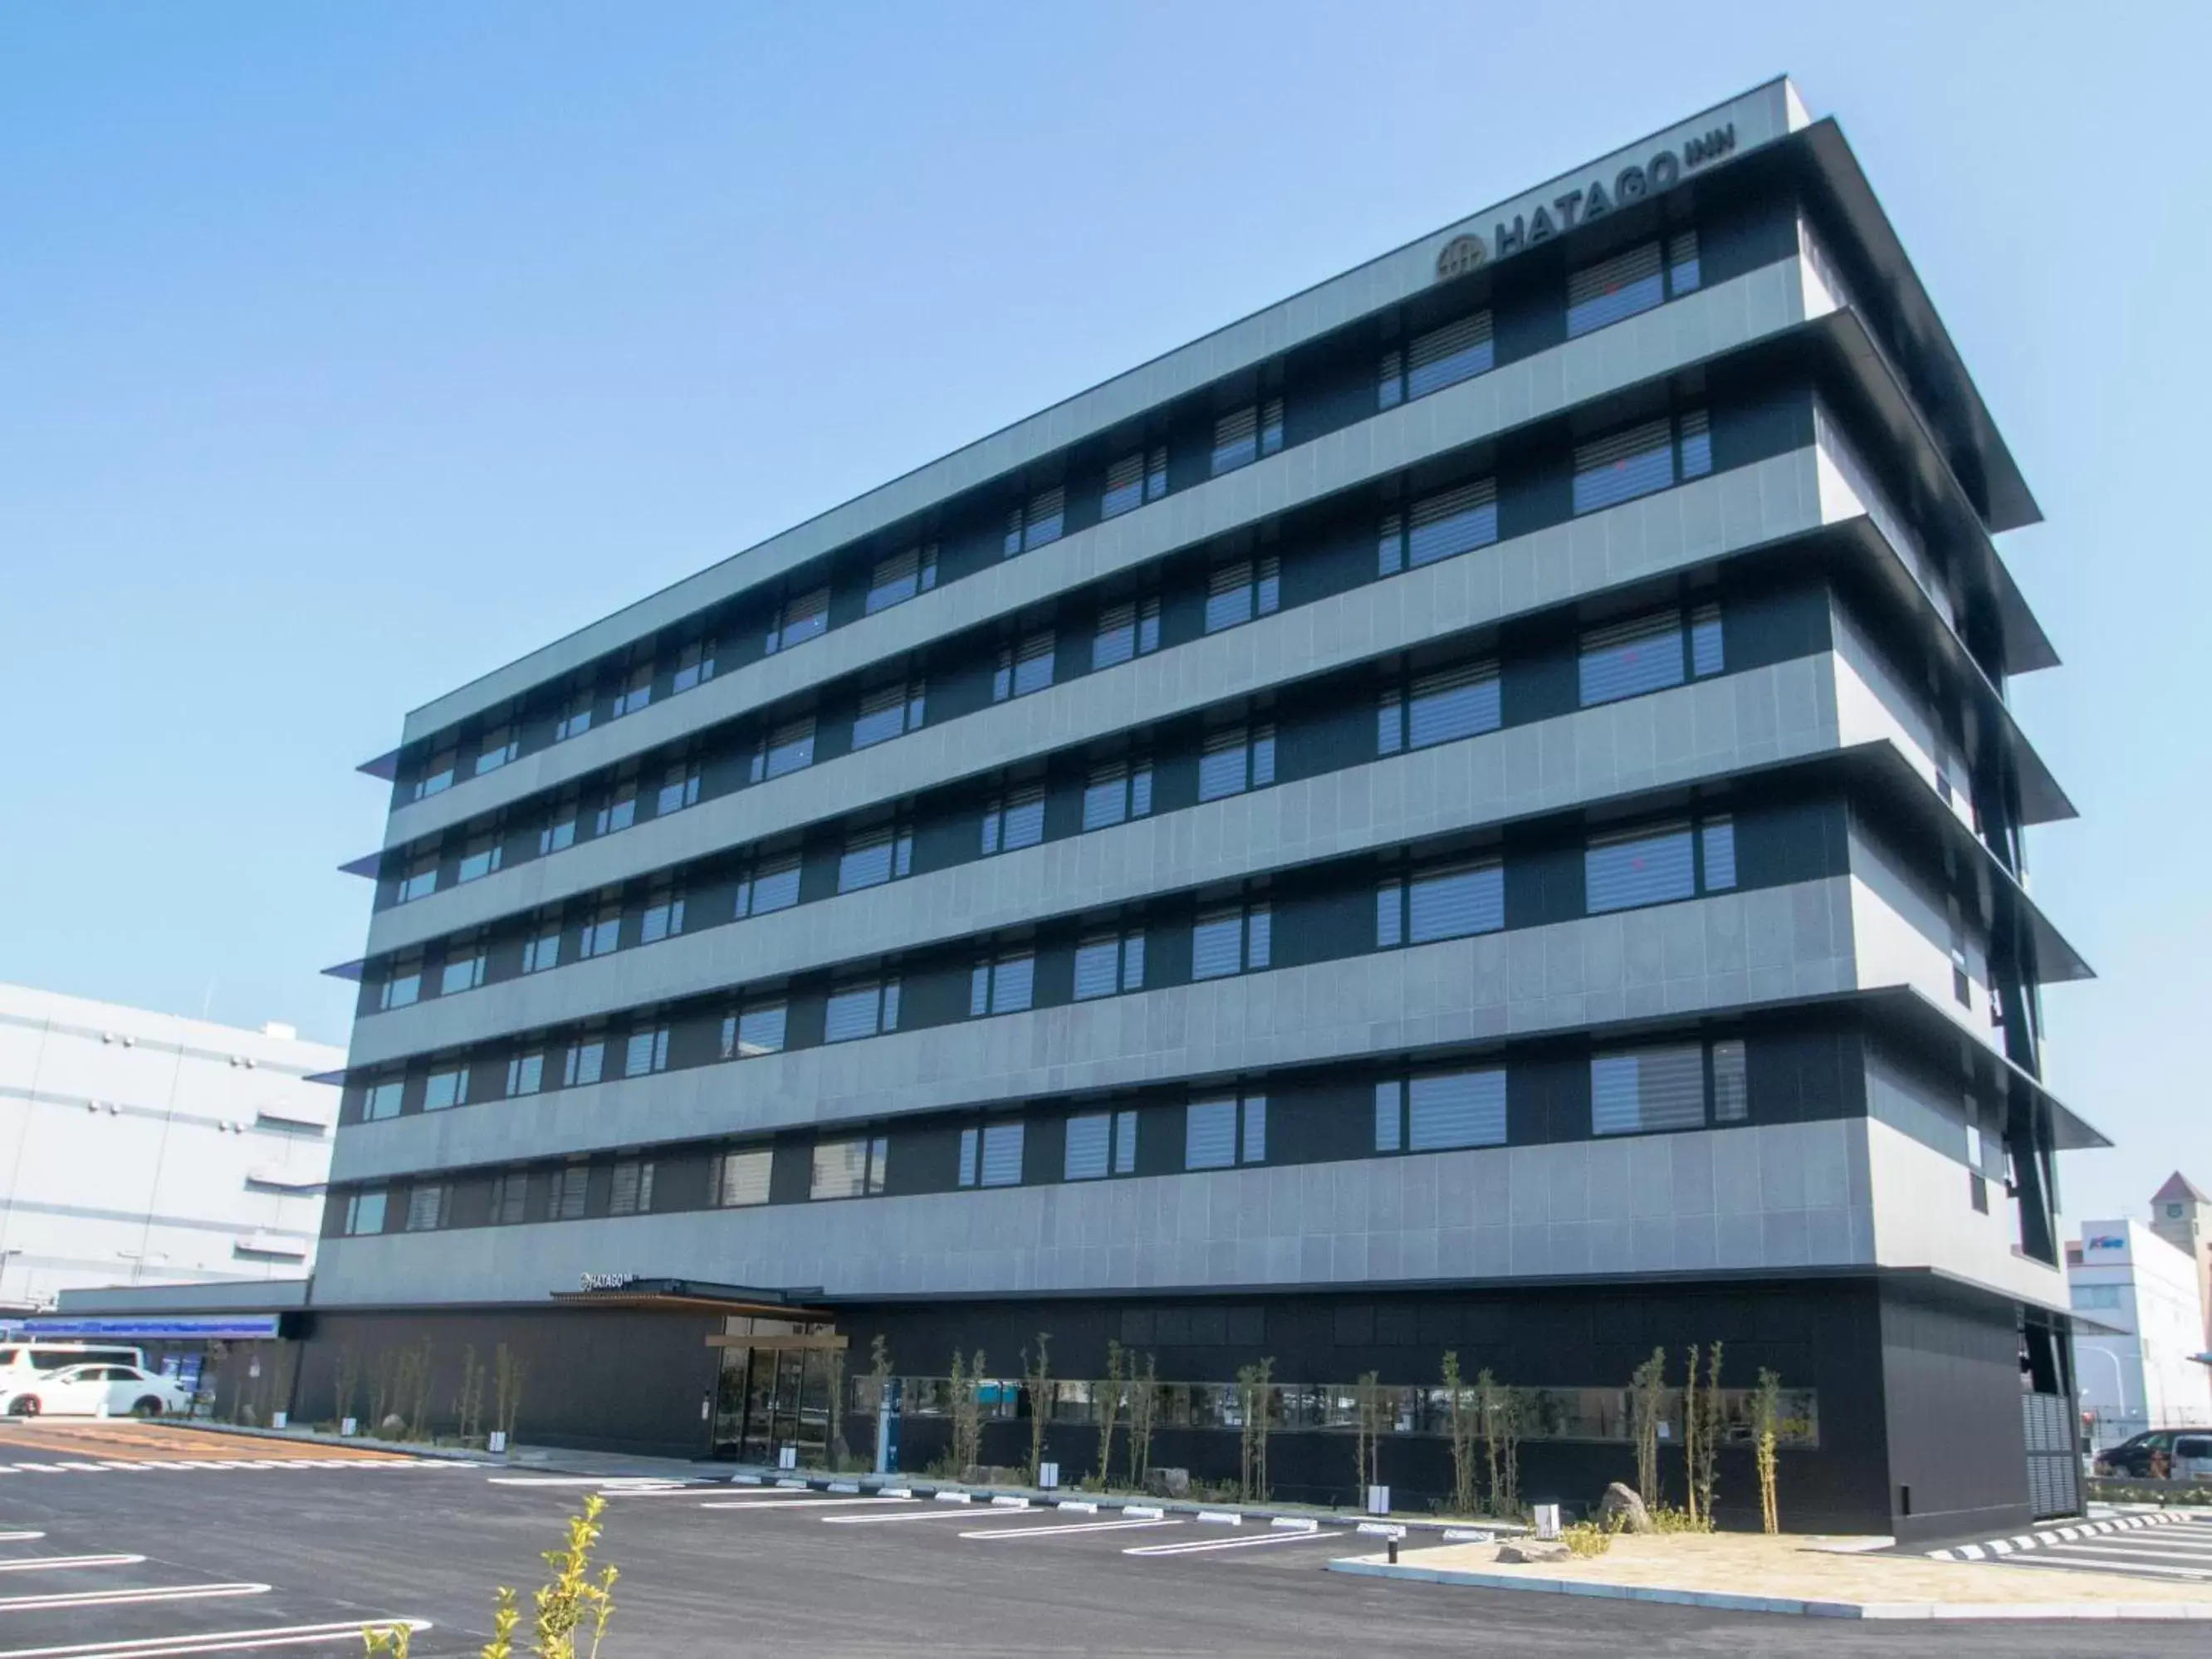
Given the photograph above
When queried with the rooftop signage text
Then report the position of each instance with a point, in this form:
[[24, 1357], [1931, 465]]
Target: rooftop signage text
[[605, 1281], [1632, 183]]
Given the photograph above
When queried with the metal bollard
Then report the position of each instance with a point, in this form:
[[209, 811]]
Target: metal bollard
[[1393, 1552]]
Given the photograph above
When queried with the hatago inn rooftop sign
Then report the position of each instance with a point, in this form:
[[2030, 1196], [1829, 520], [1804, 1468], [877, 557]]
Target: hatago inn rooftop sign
[[1631, 183]]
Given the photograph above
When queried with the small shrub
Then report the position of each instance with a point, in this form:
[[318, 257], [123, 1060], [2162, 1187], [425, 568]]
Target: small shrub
[[1587, 1538], [1665, 1518], [575, 1605]]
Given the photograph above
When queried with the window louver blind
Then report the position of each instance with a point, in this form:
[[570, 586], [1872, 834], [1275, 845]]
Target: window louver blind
[[790, 747], [1648, 1089], [1455, 1108], [1013, 984], [1627, 464], [1614, 288], [1255, 1129], [1707, 656], [1024, 821], [1222, 767], [1229, 596], [899, 578], [1002, 1155], [881, 717], [1210, 1134], [1458, 521], [1388, 1104], [1453, 903], [1646, 867], [1458, 351], [1390, 380], [1089, 1138], [1697, 445], [1630, 658], [1731, 1083], [1098, 967], [775, 885], [1463, 702], [866, 862], [1684, 274], [1217, 944], [1236, 438], [1033, 664], [1717, 835], [1106, 797], [852, 1013], [1125, 486]]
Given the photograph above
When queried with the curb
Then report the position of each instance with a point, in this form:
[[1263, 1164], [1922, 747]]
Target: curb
[[1991, 1549], [2105, 1612], [356, 1443]]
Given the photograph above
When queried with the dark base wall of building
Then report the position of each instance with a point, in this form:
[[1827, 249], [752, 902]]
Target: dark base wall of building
[[1918, 1389]]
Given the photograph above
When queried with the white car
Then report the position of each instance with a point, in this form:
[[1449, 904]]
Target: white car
[[84, 1390]]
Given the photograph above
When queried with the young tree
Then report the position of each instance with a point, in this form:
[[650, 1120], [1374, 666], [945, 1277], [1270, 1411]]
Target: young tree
[[1038, 1383], [1463, 1418], [1143, 1400], [1110, 1409], [1648, 1397], [1766, 1426]]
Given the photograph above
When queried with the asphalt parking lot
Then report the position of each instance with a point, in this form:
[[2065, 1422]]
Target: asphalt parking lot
[[241, 1552]]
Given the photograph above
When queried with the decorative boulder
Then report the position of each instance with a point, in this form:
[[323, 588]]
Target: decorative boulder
[[392, 1426], [1621, 1500], [1168, 1483], [1529, 1552]]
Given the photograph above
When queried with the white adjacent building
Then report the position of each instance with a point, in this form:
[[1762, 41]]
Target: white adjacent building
[[145, 1148], [2145, 1368]]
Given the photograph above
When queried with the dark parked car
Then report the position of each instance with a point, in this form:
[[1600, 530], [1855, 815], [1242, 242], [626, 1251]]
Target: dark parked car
[[2158, 1452]]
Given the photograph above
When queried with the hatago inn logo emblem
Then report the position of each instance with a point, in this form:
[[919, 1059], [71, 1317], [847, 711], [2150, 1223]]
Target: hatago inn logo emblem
[[1471, 251]]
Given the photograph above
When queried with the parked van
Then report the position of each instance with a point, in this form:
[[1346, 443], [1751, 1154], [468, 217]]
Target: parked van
[[18, 1357]]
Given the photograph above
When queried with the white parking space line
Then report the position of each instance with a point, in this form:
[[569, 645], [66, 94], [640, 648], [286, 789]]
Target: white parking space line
[[2129, 1543], [120, 1598], [218, 1641], [610, 1484], [1065, 1529], [2106, 1563], [42, 1469], [795, 1502], [967, 1515], [64, 1563], [90, 1468], [1206, 1546], [19, 1537]]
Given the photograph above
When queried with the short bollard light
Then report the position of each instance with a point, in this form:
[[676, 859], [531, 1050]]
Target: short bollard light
[[1393, 1552]]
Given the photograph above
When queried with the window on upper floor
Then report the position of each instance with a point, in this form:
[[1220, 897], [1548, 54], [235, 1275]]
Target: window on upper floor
[[1238, 593], [463, 970], [1658, 864], [1439, 708], [584, 1063], [364, 1212], [2097, 1298], [559, 829], [574, 718], [1243, 435], [1224, 1131], [1649, 653], [418, 878], [694, 666], [481, 856], [991, 1156], [1003, 985], [645, 1052], [525, 1073], [401, 987], [1024, 667], [1667, 1087], [1443, 526], [631, 1192], [786, 748], [1116, 791], [1039, 520], [757, 1029], [635, 693], [496, 746], [739, 1180], [874, 857], [1452, 902], [861, 1010], [601, 934], [1108, 963], [899, 578], [1653, 456], [801, 617], [542, 950], [889, 711], [1099, 1144], [427, 1207], [1635, 279], [1129, 629], [679, 788], [1236, 758], [446, 1087], [772, 885], [1432, 1111], [618, 811], [1233, 939], [381, 1100], [1014, 820], [437, 775], [566, 1191], [510, 1199], [1430, 362], [664, 914], [850, 1169], [1139, 476]]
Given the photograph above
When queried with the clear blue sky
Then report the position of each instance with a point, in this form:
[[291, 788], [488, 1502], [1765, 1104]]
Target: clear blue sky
[[347, 351]]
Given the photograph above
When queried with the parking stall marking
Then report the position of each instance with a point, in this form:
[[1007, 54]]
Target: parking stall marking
[[65, 1563], [797, 1502], [221, 1641], [119, 1598], [1208, 1546], [1065, 1529], [969, 1515]]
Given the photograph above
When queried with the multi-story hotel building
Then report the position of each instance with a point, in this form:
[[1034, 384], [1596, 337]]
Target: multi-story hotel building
[[1474, 810]]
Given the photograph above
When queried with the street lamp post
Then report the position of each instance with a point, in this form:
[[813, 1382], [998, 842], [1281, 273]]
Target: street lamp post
[[2119, 1376]]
